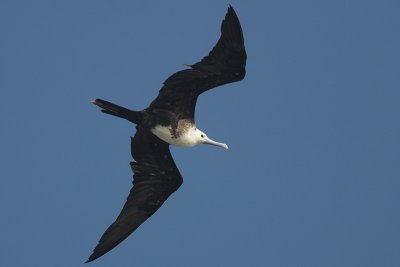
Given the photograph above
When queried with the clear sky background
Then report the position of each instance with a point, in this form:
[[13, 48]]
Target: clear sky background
[[312, 176]]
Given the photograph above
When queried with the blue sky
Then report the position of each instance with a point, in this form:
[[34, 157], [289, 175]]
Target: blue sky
[[312, 174]]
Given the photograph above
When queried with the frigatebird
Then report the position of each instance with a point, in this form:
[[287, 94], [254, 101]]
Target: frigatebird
[[170, 120]]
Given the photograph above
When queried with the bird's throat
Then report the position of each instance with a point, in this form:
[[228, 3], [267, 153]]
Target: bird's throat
[[180, 137]]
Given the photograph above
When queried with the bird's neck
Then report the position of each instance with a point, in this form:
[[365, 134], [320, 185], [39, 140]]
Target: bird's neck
[[184, 134]]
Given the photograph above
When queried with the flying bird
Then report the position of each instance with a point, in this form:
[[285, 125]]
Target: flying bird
[[169, 119]]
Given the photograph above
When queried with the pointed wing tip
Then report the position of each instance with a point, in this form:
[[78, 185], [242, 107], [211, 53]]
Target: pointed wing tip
[[232, 18], [105, 244], [95, 255], [231, 11], [94, 101]]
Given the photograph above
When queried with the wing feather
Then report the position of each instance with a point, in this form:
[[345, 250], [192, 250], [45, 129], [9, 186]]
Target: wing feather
[[224, 64], [155, 178]]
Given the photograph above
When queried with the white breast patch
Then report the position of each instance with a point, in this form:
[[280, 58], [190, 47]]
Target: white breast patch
[[187, 139]]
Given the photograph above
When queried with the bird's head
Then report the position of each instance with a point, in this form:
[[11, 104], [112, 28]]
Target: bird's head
[[203, 139]]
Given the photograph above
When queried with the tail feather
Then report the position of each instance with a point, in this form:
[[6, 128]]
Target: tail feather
[[115, 110]]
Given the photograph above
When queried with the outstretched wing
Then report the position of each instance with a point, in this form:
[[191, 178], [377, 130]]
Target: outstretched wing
[[224, 64], [155, 178]]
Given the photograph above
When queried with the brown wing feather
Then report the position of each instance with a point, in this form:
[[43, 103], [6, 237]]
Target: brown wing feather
[[156, 177], [224, 64]]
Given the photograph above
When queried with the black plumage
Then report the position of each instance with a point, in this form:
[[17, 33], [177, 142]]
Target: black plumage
[[224, 64], [156, 176]]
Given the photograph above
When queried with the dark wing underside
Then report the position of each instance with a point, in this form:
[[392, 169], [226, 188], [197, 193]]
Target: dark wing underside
[[224, 64], [155, 178]]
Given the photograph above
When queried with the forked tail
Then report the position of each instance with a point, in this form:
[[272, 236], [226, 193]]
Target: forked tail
[[135, 117]]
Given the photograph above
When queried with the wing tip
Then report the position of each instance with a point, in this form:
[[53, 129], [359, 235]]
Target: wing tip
[[231, 12], [96, 254], [231, 9], [90, 259], [231, 29]]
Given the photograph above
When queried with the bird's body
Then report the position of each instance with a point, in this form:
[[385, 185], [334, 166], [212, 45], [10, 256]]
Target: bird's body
[[169, 119], [183, 135]]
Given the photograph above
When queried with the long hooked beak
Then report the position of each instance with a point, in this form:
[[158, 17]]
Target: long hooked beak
[[212, 142]]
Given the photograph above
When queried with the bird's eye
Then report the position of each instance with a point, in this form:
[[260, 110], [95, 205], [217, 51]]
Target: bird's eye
[[202, 135]]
